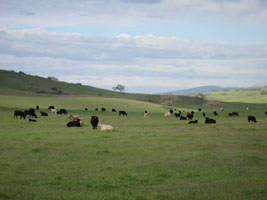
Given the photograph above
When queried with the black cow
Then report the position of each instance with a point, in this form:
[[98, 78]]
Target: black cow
[[30, 112], [19, 113], [210, 121], [103, 109], [43, 113], [215, 113], [171, 111], [32, 120], [76, 123], [266, 113], [230, 114], [94, 121], [199, 109], [113, 110], [204, 114], [51, 107], [235, 114], [252, 119], [193, 122], [122, 112], [183, 118], [177, 114], [62, 111], [86, 109], [96, 109], [37, 107]]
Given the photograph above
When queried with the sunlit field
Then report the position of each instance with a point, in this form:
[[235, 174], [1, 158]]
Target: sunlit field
[[142, 158]]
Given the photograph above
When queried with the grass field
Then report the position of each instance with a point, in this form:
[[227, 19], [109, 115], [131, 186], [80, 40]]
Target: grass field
[[246, 96], [141, 159]]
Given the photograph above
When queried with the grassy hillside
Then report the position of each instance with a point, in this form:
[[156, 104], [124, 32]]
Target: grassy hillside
[[141, 159], [240, 95]]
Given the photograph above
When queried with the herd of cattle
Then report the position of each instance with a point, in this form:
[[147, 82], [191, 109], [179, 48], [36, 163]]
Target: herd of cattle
[[76, 120]]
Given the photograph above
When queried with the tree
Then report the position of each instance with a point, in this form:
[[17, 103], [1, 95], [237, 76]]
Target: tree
[[119, 87]]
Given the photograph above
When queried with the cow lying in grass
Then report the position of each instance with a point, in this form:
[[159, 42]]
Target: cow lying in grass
[[105, 127], [43, 113], [210, 121], [74, 124], [193, 122]]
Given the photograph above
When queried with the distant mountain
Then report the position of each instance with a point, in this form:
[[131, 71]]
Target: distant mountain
[[202, 89]]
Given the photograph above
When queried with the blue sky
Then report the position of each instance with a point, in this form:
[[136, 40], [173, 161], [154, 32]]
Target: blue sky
[[150, 46]]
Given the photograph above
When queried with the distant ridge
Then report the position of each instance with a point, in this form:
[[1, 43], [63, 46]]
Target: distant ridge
[[201, 89]]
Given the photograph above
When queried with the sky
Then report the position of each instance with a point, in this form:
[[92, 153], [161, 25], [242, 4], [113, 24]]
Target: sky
[[149, 46]]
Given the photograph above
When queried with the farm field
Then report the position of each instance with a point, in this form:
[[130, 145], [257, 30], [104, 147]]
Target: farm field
[[141, 159]]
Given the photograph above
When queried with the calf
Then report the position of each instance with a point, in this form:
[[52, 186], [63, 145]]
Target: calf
[[193, 122], [235, 114], [252, 119], [62, 111], [210, 121], [53, 111], [74, 124], [204, 114], [94, 121], [167, 114], [43, 113], [190, 115], [19, 113], [122, 112]]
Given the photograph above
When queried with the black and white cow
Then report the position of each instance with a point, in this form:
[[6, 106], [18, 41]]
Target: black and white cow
[[252, 119]]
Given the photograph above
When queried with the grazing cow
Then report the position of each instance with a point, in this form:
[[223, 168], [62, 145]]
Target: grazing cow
[[74, 124], [62, 111], [167, 114], [32, 120], [53, 111], [94, 121], [43, 113], [190, 115], [235, 114], [19, 113], [103, 109], [199, 109], [96, 109], [210, 121], [122, 112], [105, 127], [30, 112], [204, 114], [113, 110], [252, 119], [86, 109], [215, 113], [183, 118], [75, 118], [177, 114], [51, 107], [37, 107], [193, 122]]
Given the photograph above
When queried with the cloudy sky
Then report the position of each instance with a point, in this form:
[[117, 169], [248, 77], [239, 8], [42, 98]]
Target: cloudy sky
[[150, 46]]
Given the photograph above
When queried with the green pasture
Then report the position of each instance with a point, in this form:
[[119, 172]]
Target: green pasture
[[141, 159], [246, 96]]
